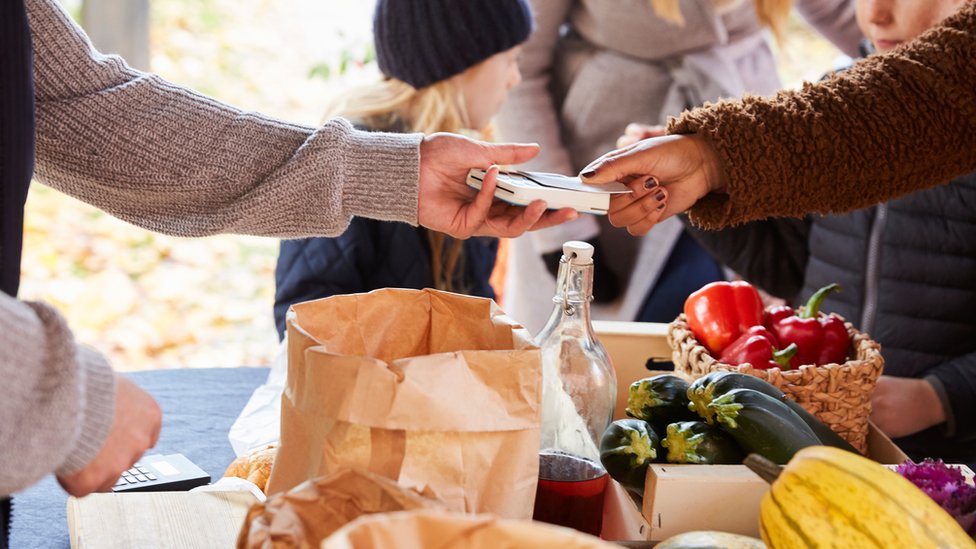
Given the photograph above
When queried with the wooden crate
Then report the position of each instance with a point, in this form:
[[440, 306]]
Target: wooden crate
[[681, 498]]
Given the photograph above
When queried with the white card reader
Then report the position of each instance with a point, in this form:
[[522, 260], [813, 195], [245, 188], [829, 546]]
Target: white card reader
[[558, 191]]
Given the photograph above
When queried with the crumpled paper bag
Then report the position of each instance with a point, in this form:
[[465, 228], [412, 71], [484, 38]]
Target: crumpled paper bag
[[431, 389], [313, 510], [430, 529]]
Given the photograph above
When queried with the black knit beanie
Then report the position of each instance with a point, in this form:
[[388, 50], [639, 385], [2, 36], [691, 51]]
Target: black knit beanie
[[425, 41]]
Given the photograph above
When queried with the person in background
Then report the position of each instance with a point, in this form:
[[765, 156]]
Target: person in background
[[901, 120], [171, 160], [593, 66], [446, 66]]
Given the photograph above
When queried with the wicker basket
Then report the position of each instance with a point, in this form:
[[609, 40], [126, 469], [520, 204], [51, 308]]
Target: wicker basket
[[838, 394]]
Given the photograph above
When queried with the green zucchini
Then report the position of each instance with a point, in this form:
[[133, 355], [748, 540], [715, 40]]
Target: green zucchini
[[762, 424], [716, 384], [702, 390], [627, 447], [700, 443], [660, 400]]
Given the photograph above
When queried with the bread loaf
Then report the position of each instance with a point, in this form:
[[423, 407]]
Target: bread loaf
[[254, 466]]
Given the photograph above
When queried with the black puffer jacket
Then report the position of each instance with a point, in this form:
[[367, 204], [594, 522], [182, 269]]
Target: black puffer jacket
[[908, 271]]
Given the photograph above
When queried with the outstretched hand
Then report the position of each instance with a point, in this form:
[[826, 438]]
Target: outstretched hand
[[667, 175], [448, 205]]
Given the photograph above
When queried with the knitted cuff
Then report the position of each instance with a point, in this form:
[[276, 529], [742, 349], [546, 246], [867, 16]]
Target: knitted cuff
[[97, 411], [382, 174]]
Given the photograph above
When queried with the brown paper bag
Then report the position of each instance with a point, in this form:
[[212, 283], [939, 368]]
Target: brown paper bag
[[312, 511], [431, 389], [430, 529]]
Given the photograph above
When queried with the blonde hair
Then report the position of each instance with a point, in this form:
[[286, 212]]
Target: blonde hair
[[773, 14], [393, 105]]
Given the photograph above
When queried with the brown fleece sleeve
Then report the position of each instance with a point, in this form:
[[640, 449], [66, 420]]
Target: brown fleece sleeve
[[891, 125]]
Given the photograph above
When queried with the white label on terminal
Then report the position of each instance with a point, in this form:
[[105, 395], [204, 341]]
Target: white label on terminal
[[164, 468]]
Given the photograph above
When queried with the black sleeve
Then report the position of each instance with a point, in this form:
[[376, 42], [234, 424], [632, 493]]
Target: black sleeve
[[955, 383], [771, 254]]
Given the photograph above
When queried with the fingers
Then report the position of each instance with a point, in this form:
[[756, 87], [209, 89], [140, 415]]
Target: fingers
[[479, 209], [610, 155], [509, 153], [528, 217], [516, 220], [610, 169], [640, 188], [508, 220], [551, 218], [486, 216], [642, 158], [644, 214], [640, 210]]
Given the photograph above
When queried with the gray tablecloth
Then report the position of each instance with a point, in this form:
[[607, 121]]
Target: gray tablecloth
[[199, 407]]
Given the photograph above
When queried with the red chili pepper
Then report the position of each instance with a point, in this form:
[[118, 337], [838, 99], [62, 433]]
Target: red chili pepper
[[757, 346], [822, 339], [720, 312]]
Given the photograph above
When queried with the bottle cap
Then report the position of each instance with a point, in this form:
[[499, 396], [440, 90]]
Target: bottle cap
[[578, 252]]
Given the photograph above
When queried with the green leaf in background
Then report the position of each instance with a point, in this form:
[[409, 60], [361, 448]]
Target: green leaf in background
[[321, 70]]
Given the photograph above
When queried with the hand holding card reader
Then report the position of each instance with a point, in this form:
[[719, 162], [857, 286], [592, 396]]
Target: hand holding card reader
[[559, 191], [158, 473]]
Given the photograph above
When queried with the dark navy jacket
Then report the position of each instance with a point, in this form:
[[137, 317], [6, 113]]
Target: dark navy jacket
[[371, 255]]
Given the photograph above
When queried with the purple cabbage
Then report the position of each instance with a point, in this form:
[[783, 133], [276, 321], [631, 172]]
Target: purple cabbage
[[947, 486]]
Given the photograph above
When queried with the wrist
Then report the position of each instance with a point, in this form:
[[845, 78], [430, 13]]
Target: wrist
[[715, 178], [98, 413], [935, 411]]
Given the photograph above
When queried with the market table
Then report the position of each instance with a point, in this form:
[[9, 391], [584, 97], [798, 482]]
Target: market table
[[199, 406]]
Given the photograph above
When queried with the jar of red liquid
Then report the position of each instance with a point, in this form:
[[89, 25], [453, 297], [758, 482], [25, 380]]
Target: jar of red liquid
[[576, 503], [578, 392]]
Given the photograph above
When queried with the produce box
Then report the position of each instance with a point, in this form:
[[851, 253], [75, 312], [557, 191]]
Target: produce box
[[681, 498], [622, 518], [630, 345]]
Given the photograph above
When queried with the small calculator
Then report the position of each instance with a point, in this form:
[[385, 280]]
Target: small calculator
[[159, 473]]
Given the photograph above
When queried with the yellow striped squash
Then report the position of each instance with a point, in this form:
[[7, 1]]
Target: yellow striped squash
[[826, 497]]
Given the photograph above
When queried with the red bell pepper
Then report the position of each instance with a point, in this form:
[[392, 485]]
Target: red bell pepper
[[720, 312], [758, 346], [822, 339]]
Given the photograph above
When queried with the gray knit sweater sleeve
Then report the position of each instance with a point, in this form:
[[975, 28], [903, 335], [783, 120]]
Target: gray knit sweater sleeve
[[171, 160], [58, 398]]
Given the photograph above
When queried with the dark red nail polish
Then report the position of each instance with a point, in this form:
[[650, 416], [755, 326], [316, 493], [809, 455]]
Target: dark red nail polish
[[661, 206], [588, 173], [659, 196], [650, 182]]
